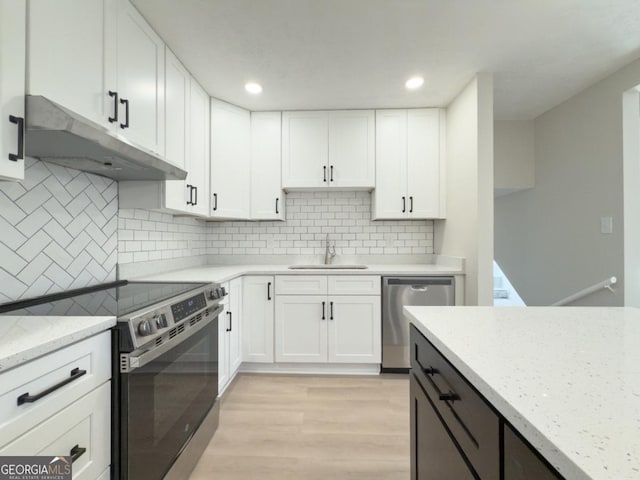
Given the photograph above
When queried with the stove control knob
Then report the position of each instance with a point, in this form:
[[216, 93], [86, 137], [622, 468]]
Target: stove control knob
[[144, 328], [223, 292], [161, 321], [213, 294]]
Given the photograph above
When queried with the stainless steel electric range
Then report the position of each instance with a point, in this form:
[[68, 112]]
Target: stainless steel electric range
[[165, 369]]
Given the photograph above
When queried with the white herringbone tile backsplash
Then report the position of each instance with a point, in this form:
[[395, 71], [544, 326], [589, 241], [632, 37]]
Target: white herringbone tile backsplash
[[59, 231], [345, 216]]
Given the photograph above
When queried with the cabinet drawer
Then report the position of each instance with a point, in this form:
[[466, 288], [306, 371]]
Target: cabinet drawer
[[92, 355], [469, 418], [354, 285], [301, 285], [85, 424]]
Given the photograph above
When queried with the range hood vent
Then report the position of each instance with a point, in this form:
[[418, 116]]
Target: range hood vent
[[58, 135]]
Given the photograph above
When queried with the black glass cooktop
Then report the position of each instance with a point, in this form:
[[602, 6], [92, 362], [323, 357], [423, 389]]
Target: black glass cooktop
[[113, 299]]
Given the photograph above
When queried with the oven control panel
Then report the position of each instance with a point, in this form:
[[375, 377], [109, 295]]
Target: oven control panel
[[146, 326], [188, 307]]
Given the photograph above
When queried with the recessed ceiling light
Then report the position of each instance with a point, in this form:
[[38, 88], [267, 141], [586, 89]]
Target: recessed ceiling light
[[414, 82], [253, 87]]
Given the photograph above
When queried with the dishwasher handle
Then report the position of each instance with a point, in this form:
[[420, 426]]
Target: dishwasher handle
[[418, 283]]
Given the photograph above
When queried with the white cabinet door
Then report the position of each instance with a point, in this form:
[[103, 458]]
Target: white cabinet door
[[198, 159], [424, 163], [257, 319], [12, 71], [267, 199], [177, 120], [72, 47], [86, 423], [305, 149], [140, 70], [235, 326], [223, 349], [352, 149], [301, 328], [354, 329], [176, 95], [230, 161], [390, 196]]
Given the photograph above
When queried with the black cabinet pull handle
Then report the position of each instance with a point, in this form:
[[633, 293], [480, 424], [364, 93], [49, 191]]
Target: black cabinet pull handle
[[14, 157], [449, 396], [404, 204], [277, 206], [269, 291], [323, 310], [190, 201], [410, 204], [324, 169], [331, 177], [330, 310], [195, 202], [230, 322], [115, 106], [26, 398], [125, 102], [215, 202], [76, 452]]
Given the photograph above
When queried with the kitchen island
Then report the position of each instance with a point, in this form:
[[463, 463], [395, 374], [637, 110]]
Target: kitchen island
[[566, 378]]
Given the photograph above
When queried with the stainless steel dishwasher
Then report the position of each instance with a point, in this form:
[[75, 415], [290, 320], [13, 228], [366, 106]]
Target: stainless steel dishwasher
[[398, 292]]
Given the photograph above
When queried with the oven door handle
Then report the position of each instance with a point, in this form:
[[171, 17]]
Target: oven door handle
[[129, 363]]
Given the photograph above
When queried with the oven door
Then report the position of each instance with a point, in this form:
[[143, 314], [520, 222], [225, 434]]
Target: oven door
[[164, 398]]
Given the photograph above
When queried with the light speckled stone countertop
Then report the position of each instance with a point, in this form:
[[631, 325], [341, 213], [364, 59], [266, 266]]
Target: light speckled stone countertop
[[223, 273], [568, 378], [25, 338]]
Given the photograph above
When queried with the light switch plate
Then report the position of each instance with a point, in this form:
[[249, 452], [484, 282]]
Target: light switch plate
[[606, 225]]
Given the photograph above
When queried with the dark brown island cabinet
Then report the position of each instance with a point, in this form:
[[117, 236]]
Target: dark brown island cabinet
[[455, 433]]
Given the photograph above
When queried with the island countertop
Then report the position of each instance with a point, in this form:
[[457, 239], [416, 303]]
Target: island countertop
[[567, 378]]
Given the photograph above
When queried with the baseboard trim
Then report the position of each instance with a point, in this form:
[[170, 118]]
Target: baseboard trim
[[312, 368]]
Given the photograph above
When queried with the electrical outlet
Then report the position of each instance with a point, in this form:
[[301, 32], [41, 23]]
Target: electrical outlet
[[606, 225]]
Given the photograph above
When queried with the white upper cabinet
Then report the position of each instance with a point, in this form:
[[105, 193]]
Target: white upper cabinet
[[76, 39], [187, 145], [328, 149], [177, 111], [390, 195], [108, 65], [352, 149], [267, 199], [140, 80], [12, 70], [409, 164], [197, 164], [230, 161], [305, 149]]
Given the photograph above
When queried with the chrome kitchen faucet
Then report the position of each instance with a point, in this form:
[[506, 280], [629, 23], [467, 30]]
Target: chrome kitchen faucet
[[329, 252]]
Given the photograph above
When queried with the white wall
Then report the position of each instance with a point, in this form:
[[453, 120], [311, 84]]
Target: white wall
[[468, 229], [514, 156], [548, 239], [631, 168]]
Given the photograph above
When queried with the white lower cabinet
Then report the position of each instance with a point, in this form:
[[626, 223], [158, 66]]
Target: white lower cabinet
[[81, 430], [257, 319], [301, 328], [230, 335], [60, 404], [354, 329], [331, 326]]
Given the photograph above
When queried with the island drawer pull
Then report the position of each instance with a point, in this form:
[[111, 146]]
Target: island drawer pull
[[450, 396], [26, 398]]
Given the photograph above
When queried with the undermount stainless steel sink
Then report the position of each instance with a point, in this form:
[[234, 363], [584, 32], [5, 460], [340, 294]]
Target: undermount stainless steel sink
[[328, 267]]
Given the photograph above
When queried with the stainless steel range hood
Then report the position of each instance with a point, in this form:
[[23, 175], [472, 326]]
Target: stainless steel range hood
[[58, 135]]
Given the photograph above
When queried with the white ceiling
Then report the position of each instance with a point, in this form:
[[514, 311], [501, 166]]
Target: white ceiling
[[324, 54]]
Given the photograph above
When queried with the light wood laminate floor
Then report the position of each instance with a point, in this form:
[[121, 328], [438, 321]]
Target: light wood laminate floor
[[280, 427]]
